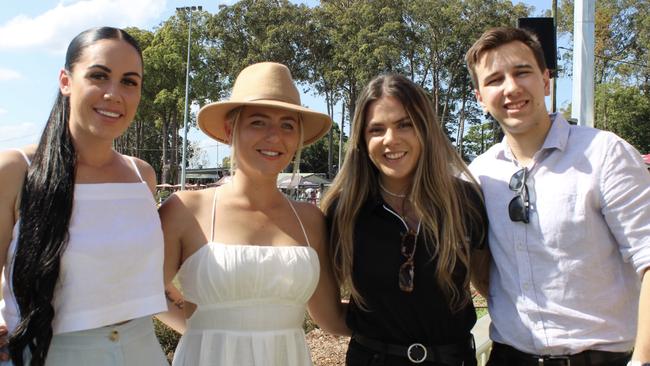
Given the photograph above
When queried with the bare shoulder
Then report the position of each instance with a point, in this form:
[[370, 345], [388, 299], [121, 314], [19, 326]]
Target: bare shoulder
[[309, 212], [314, 221], [12, 175], [12, 171], [183, 204], [146, 170]]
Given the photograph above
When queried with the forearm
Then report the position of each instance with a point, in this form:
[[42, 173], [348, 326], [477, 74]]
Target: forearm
[[175, 316], [480, 271], [642, 345], [332, 322]]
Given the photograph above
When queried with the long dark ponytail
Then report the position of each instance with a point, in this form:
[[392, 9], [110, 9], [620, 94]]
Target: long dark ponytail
[[45, 210]]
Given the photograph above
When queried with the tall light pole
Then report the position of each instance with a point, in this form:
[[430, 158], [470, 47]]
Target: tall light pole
[[582, 96], [189, 9]]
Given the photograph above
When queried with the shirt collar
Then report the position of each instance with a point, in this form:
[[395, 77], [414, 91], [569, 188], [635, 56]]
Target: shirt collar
[[557, 138], [558, 135]]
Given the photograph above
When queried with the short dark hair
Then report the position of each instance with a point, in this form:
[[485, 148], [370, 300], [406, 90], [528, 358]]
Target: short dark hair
[[498, 36]]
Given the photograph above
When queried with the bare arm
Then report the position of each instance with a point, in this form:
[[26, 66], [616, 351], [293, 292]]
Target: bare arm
[[642, 345], [174, 317], [171, 216], [480, 270], [12, 173], [325, 306]]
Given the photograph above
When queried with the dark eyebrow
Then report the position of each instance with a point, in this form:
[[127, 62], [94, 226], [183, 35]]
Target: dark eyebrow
[[108, 70], [132, 73], [100, 67], [516, 67], [492, 75]]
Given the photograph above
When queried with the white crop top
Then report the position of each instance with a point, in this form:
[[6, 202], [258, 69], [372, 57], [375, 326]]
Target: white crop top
[[112, 267]]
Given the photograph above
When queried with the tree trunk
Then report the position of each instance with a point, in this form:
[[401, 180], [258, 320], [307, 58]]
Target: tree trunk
[[342, 126], [461, 125], [173, 164], [330, 135]]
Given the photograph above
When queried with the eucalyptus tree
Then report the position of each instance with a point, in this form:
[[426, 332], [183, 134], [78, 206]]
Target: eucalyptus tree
[[252, 31], [165, 72], [362, 37], [141, 138]]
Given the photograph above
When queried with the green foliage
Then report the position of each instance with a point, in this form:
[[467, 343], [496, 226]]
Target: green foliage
[[479, 138], [622, 35], [167, 337], [335, 47], [252, 31], [624, 110], [314, 158], [622, 66], [225, 162]]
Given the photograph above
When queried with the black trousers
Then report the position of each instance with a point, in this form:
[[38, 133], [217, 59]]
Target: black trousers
[[359, 355], [501, 356]]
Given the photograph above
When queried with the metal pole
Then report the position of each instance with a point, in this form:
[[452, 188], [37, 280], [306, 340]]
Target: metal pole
[[582, 107], [554, 80], [187, 111]]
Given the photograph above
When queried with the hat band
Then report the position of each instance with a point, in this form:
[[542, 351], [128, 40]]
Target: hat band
[[274, 98]]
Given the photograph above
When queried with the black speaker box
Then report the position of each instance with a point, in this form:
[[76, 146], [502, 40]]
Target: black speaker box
[[544, 29]]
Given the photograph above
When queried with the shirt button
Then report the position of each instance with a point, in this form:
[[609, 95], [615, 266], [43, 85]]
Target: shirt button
[[520, 246], [114, 336], [526, 287]]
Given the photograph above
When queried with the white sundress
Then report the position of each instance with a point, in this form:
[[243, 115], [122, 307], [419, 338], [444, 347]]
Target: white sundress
[[251, 303]]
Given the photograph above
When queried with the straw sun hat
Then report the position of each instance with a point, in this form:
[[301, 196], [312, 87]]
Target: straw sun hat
[[265, 84]]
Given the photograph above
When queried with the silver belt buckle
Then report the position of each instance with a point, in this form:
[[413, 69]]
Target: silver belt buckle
[[541, 360], [417, 348]]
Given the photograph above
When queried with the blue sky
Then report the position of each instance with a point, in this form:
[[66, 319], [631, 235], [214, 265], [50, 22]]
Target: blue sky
[[35, 33]]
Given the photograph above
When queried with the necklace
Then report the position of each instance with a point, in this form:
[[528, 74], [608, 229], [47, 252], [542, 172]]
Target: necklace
[[389, 192]]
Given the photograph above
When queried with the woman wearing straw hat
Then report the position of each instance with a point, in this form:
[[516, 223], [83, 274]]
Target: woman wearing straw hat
[[248, 259]]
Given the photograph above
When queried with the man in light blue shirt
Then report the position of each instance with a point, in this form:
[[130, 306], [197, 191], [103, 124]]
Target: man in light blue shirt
[[569, 211]]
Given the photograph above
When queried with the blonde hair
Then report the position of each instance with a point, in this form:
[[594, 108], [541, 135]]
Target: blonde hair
[[437, 193]]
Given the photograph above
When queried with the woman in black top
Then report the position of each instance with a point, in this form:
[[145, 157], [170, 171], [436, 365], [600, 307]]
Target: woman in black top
[[404, 230]]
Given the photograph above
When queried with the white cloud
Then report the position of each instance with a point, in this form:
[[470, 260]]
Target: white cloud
[[54, 28], [7, 74], [2, 111]]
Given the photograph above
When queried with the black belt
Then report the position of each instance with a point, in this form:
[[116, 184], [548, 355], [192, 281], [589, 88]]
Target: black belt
[[451, 354], [584, 358]]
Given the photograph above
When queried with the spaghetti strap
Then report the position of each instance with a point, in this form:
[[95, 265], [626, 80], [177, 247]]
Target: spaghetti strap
[[299, 221], [214, 207], [24, 156], [135, 166]]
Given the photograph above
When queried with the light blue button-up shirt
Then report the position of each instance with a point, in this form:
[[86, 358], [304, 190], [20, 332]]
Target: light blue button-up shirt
[[568, 281]]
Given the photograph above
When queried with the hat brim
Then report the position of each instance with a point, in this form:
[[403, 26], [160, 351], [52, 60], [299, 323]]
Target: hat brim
[[212, 118]]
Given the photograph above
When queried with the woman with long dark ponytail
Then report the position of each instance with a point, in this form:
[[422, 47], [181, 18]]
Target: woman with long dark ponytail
[[83, 262]]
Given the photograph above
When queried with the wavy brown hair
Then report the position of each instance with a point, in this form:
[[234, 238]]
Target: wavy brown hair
[[436, 193]]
